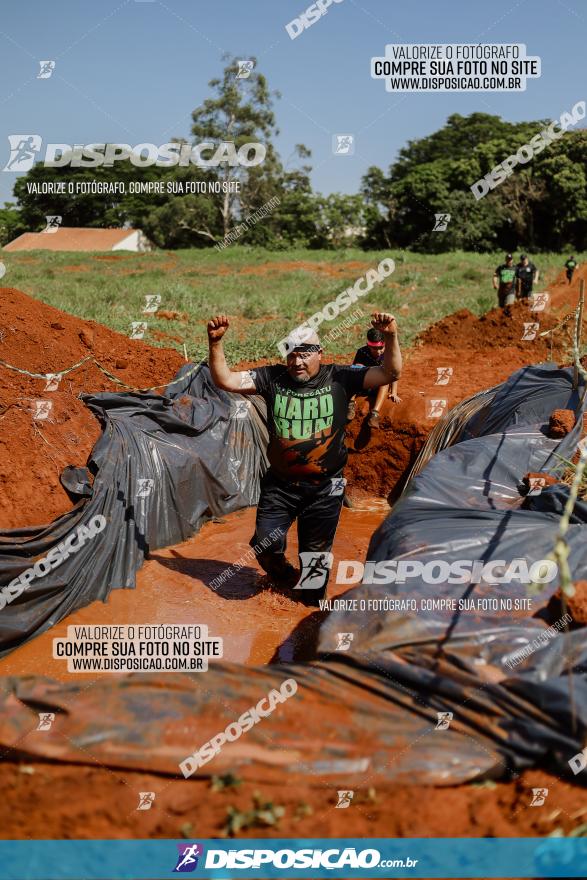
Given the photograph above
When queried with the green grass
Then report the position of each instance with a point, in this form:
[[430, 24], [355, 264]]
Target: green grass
[[266, 306]]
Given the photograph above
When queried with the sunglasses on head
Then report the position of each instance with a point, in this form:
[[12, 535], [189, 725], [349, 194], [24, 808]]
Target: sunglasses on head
[[304, 351]]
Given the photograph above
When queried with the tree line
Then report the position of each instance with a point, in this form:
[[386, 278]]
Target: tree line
[[541, 206]]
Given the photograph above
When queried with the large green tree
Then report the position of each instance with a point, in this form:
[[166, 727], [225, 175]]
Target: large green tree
[[542, 205]]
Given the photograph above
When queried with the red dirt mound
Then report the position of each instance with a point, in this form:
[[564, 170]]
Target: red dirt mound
[[33, 451], [560, 423], [577, 604], [493, 330]]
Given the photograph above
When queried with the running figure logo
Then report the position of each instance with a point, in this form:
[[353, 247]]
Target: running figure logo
[[343, 144], [530, 331], [315, 569], [138, 329], [42, 410], [536, 484], [444, 719], [436, 407], [144, 487], [46, 719], [53, 223], [344, 799], [47, 68], [146, 800], [152, 303], [241, 409], [187, 860], [52, 382], [539, 795], [245, 68], [337, 485], [23, 149], [443, 375], [441, 222], [344, 641], [539, 302]]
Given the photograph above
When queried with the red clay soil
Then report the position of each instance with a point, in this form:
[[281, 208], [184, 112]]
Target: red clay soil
[[560, 423], [69, 802], [576, 605], [41, 339]]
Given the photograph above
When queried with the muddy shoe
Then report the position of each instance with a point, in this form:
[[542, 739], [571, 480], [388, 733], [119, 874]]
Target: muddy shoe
[[373, 420], [310, 598], [351, 409], [278, 569]]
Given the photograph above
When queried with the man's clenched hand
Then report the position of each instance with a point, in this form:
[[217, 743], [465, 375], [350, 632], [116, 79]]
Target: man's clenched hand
[[217, 327], [384, 322]]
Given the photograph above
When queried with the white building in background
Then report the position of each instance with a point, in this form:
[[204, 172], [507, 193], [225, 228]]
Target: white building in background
[[72, 238]]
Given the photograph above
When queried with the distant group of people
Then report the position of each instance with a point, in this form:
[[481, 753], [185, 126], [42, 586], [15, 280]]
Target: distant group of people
[[517, 281], [514, 282]]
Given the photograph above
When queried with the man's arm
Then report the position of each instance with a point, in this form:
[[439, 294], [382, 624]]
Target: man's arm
[[393, 395], [536, 275], [495, 280], [391, 369], [222, 376]]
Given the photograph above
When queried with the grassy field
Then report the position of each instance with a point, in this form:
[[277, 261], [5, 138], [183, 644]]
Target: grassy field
[[267, 293]]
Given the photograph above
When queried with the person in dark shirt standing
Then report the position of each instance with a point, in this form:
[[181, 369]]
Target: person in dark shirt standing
[[570, 266], [371, 355], [504, 281], [306, 412], [526, 274]]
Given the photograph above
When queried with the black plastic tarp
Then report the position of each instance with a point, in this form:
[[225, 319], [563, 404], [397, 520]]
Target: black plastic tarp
[[162, 466], [469, 504]]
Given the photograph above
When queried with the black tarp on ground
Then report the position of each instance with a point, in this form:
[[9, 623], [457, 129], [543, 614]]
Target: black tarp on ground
[[371, 711], [467, 505], [162, 467]]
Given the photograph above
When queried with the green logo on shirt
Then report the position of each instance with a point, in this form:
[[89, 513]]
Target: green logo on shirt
[[303, 417]]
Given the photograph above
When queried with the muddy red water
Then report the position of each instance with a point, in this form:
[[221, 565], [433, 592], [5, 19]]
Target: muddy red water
[[256, 624]]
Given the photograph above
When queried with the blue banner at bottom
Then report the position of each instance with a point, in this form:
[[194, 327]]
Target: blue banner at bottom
[[305, 859]]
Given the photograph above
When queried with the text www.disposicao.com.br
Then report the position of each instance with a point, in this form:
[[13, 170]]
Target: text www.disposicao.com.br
[[135, 664]]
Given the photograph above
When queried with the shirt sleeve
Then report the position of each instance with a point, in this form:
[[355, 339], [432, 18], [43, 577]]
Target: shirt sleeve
[[262, 378], [351, 378]]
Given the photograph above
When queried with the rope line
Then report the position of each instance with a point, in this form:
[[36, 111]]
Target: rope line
[[59, 375]]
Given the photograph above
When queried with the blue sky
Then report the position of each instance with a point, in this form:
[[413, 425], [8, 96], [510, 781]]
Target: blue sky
[[130, 71]]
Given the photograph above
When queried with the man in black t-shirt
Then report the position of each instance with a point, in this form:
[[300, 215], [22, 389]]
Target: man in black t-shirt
[[504, 281], [371, 355], [570, 266], [526, 274], [306, 412]]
